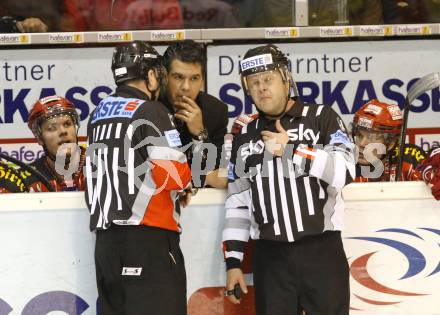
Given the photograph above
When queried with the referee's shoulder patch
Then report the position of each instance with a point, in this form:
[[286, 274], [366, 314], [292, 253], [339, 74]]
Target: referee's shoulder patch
[[173, 138]]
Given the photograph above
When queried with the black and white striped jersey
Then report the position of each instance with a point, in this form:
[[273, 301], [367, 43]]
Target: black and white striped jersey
[[289, 197], [134, 164]]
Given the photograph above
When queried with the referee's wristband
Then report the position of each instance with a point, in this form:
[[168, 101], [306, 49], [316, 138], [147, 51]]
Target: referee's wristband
[[232, 262]]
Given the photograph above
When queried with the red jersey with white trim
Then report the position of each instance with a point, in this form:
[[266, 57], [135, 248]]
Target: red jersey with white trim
[[75, 183], [135, 165]]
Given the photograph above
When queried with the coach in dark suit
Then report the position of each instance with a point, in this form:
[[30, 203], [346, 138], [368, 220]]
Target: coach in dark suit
[[198, 114]]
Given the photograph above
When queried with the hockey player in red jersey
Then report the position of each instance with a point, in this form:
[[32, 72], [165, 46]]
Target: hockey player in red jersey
[[430, 170], [54, 122], [375, 129]]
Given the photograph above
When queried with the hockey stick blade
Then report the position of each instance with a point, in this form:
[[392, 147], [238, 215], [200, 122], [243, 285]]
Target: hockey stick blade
[[422, 85], [426, 83]]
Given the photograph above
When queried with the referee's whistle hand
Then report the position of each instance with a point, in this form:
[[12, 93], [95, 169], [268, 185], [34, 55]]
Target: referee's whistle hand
[[234, 276], [275, 142]]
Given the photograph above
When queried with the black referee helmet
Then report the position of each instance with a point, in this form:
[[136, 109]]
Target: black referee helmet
[[133, 60]]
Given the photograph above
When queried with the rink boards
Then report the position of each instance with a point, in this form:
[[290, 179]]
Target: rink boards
[[391, 238]]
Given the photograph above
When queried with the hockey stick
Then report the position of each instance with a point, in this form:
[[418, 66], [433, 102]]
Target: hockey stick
[[422, 85], [31, 170]]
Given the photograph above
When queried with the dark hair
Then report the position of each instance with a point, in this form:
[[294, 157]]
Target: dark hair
[[186, 51]]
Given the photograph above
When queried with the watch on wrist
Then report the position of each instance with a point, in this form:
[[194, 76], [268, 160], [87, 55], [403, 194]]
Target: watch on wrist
[[202, 136]]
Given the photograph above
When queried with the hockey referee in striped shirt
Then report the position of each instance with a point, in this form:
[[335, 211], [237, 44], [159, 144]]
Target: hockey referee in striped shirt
[[286, 173]]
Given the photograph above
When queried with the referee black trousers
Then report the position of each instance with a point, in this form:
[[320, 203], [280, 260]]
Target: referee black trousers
[[140, 271], [311, 274]]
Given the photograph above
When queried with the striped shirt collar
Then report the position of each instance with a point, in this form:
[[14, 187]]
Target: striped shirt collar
[[297, 108], [295, 111]]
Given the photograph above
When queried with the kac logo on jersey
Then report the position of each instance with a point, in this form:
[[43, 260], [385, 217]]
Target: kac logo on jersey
[[116, 107]]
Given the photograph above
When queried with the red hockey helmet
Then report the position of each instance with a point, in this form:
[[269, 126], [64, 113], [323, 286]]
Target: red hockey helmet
[[378, 117], [49, 107]]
